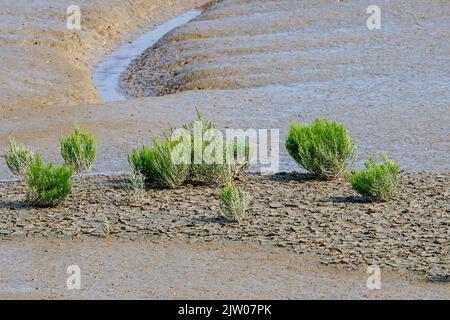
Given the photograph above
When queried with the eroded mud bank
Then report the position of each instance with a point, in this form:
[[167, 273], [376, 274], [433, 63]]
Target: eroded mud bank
[[113, 269], [44, 63], [389, 86]]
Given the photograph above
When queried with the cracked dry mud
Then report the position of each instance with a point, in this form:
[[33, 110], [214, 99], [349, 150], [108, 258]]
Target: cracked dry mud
[[292, 211]]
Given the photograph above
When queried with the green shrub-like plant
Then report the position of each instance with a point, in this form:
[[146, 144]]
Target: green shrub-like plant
[[47, 185], [169, 173], [79, 150], [378, 182], [135, 185], [143, 161], [322, 148], [203, 171], [156, 163], [18, 158], [214, 173], [233, 203]]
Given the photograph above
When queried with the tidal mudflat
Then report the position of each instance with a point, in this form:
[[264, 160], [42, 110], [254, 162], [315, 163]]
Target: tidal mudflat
[[244, 64], [296, 212], [187, 269]]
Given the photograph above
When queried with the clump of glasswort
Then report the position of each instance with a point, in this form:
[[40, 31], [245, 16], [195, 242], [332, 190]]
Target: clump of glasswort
[[378, 182], [211, 172], [156, 163], [135, 185], [47, 185], [18, 158], [233, 203], [79, 150], [322, 148]]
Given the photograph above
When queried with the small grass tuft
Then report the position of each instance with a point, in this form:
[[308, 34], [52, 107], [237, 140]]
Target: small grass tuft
[[233, 203], [322, 148], [216, 172], [135, 185], [378, 182], [18, 158], [79, 150], [156, 163], [169, 173], [46, 185], [143, 161]]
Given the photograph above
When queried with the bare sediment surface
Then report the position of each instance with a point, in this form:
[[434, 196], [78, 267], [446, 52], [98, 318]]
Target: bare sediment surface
[[418, 143], [120, 269], [245, 44], [42, 62], [291, 211], [107, 73], [389, 86], [244, 64]]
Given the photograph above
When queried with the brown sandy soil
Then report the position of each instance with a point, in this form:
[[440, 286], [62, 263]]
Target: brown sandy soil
[[292, 211], [112, 269], [44, 63]]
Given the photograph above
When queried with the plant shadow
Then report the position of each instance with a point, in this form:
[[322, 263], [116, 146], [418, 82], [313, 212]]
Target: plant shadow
[[120, 184], [293, 176], [350, 199], [219, 220], [14, 205]]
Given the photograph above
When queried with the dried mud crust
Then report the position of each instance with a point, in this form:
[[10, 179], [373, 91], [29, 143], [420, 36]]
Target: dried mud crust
[[292, 211], [245, 44]]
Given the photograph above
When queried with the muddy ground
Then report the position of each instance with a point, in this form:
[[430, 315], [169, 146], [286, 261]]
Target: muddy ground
[[388, 86], [42, 62], [245, 64], [293, 211], [112, 269]]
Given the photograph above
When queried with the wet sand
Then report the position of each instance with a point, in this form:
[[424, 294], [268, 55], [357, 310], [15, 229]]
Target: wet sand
[[112, 269], [107, 73], [389, 86]]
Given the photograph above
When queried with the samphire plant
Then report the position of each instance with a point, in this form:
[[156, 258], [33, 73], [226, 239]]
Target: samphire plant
[[214, 172], [79, 150], [378, 182], [47, 185], [233, 203], [322, 148], [170, 173], [18, 158], [142, 160], [135, 185], [156, 163]]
